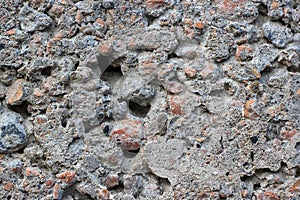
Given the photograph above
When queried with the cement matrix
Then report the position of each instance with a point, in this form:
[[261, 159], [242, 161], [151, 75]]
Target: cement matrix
[[149, 99]]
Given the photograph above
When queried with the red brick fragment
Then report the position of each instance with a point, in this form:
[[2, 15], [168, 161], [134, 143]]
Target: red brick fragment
[[199, 25], [127, 133], [190, 72], [249, 112], [56, 191], [289, 134], [49, 183], [175, 105], [105, 48], [15, 92], [32, 171], [111, 181], [103, 193], [272, 195], [8, 186], [57, 9], [67, 176], [154, 4], [11, 31], [228, 6], [295, 187]]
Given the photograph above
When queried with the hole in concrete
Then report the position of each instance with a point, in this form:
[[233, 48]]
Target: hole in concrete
[[100, 114], [72, 193], [244, 178], [293, 69], [246, 164], [254, 139], [222, 197], [263, 9], [64, 118], [2, 46], [297, 146], [273, 130], [163, 183], [252, 156], [112, 74], [21, 151], [150, 19], [263, 171], [297, 174], [172, 55], [227, 86], [138, 110], [106, 130], [256, 186], [46, 71], [21, 109], [130, 153]]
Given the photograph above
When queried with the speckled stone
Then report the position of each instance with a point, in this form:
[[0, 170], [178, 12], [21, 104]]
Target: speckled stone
[[12, 132]]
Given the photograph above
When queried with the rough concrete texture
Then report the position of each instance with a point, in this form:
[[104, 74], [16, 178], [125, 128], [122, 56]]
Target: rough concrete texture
[[149, 99]]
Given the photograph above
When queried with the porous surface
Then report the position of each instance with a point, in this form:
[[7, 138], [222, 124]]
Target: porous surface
[[149, 99]]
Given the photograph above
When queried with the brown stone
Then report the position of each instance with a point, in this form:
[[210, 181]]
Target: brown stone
[[67, 177], [295, 187], [175, 105], [249, 112], [103, 193], [190, 72], [272, 195], [101, 22], [78, 17], [58, 36], [57, 9], [56, 191], [105, 48], [154, 4], [289, 134], [15, 93], [199, 25], [127, 133], [49, 183], [111, 181], [11, 31], [8, 186]]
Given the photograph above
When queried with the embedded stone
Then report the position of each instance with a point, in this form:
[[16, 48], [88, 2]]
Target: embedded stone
[[12, 133]]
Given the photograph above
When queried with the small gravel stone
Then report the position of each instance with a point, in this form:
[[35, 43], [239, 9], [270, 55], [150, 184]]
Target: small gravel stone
[[277, 34], [16, 93], [12, 132], [32, 20], [2, 91], [220, 45], [264, 57]]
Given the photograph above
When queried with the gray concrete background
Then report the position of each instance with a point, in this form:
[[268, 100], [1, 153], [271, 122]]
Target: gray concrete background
[[155, 99]]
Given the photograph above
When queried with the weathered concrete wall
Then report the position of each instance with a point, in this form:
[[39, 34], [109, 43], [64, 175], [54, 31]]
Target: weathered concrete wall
[[155, 99]]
